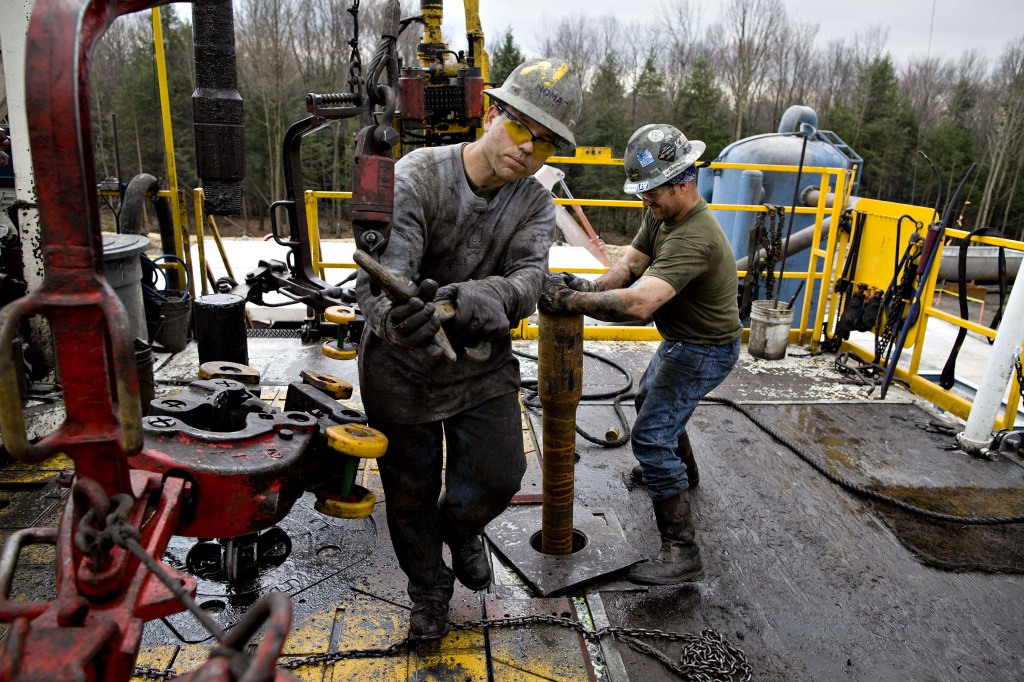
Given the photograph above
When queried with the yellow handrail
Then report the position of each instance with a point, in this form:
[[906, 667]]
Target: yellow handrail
[[819, 275]]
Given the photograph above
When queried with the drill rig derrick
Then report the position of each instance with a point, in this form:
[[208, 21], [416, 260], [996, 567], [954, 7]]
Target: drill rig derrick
[[372, 191], [441, 101]]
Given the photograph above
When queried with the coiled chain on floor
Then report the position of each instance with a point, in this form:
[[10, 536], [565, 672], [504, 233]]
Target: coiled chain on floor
[[707, 657]]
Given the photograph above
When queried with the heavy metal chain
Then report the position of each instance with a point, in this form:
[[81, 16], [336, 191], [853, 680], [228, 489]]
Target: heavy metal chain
[[151, 673], [355, 66], [894, 301], [773, 247], [1020, 375]]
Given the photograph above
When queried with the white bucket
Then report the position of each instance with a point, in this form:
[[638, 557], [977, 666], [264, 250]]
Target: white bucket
[[769, 329]]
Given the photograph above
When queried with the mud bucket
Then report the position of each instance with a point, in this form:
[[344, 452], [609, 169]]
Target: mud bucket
[[769, 329], [169, 319], [121, 266]]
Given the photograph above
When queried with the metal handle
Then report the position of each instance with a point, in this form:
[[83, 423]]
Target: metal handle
[[12, 417], [9, 562]]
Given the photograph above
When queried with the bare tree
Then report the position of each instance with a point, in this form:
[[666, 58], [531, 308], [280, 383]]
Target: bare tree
[[928, 83], [575, 39], [792, 66], [269, 74], [680, 22], [743, 38], [1007, 135]]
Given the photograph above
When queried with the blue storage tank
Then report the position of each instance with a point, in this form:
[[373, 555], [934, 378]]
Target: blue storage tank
[[728, 186]]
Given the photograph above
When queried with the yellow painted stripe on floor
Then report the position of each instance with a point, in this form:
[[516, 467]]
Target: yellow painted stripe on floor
[[370, 670], [191, 656], [541, 652], [459, 656], [159, 657], [26, 473], [369, 623], [312, 635]]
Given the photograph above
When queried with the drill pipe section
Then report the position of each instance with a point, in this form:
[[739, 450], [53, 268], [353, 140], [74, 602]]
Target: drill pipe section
[[559, 388]]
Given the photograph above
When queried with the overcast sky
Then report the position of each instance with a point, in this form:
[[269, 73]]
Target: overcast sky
[[959, 25]]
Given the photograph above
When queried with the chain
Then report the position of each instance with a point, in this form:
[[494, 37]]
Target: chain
[[1020, 375], [707, 656], [773, 247], [151, 673], [355, 66], [895, 299]]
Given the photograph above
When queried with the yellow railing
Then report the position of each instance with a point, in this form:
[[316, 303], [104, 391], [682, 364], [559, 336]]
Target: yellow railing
[[818, 276], [929, 390], [819, 268]]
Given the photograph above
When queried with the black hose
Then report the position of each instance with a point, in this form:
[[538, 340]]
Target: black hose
[[530, 400], [859, 490]]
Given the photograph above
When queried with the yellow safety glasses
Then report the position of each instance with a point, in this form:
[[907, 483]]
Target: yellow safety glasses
[[521, 134]]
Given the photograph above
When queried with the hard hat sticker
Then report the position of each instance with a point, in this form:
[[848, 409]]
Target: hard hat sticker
[[655, 136], [642, 186], [550, 75], [667, 151], [645, 159]]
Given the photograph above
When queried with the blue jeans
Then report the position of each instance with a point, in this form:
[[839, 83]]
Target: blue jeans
[[677, 378]]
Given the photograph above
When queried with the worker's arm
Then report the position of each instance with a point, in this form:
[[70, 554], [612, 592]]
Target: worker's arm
[[624, 304], [624, 271]]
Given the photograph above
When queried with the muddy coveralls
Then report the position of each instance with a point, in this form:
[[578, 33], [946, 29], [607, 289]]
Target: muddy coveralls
[[445, 232]]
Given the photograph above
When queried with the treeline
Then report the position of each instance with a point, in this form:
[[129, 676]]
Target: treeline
[[718, 82]]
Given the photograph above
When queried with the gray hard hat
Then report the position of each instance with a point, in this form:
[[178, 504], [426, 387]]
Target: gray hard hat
[[547, 91], [655, 154]]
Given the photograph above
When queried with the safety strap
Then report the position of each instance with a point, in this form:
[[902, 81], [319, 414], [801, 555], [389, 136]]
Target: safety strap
[[948, 377]]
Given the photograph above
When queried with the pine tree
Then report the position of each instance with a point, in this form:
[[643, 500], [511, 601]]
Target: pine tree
[[505, 59], [700, 110]]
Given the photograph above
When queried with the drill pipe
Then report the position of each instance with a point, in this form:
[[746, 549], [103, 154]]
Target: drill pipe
[[559, 387]]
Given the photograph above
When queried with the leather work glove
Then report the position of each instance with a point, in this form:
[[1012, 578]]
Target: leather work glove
[[479, 311], [555, 296], [575, 282], [412, 324]]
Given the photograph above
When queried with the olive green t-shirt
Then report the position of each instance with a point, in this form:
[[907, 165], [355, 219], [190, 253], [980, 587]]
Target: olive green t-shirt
[[694, 256]]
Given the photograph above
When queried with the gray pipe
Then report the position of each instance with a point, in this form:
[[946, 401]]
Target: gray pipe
[[799, 240]]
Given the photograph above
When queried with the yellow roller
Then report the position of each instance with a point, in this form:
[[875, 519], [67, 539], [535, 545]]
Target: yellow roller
[[340, 314], [331, 350], [356, 440], [362, 507]]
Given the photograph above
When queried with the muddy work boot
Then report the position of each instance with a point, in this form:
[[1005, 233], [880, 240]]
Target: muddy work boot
[[470, 561], [678, 561], [685, 453], [429, 620]]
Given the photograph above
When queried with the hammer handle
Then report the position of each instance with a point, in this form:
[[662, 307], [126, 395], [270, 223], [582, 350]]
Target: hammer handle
[[400, 291]]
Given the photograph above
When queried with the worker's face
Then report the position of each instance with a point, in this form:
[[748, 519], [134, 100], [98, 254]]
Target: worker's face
[[665, 201], [511, 160]]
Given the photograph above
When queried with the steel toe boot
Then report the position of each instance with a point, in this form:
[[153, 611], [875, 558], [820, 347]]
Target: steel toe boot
[[678, 561], [685, 453], [469, 560], [428, 621]]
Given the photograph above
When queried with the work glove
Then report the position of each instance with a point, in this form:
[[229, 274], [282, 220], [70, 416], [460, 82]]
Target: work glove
[[479, 312], [411, 324], [556, 294], [575, 282]]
